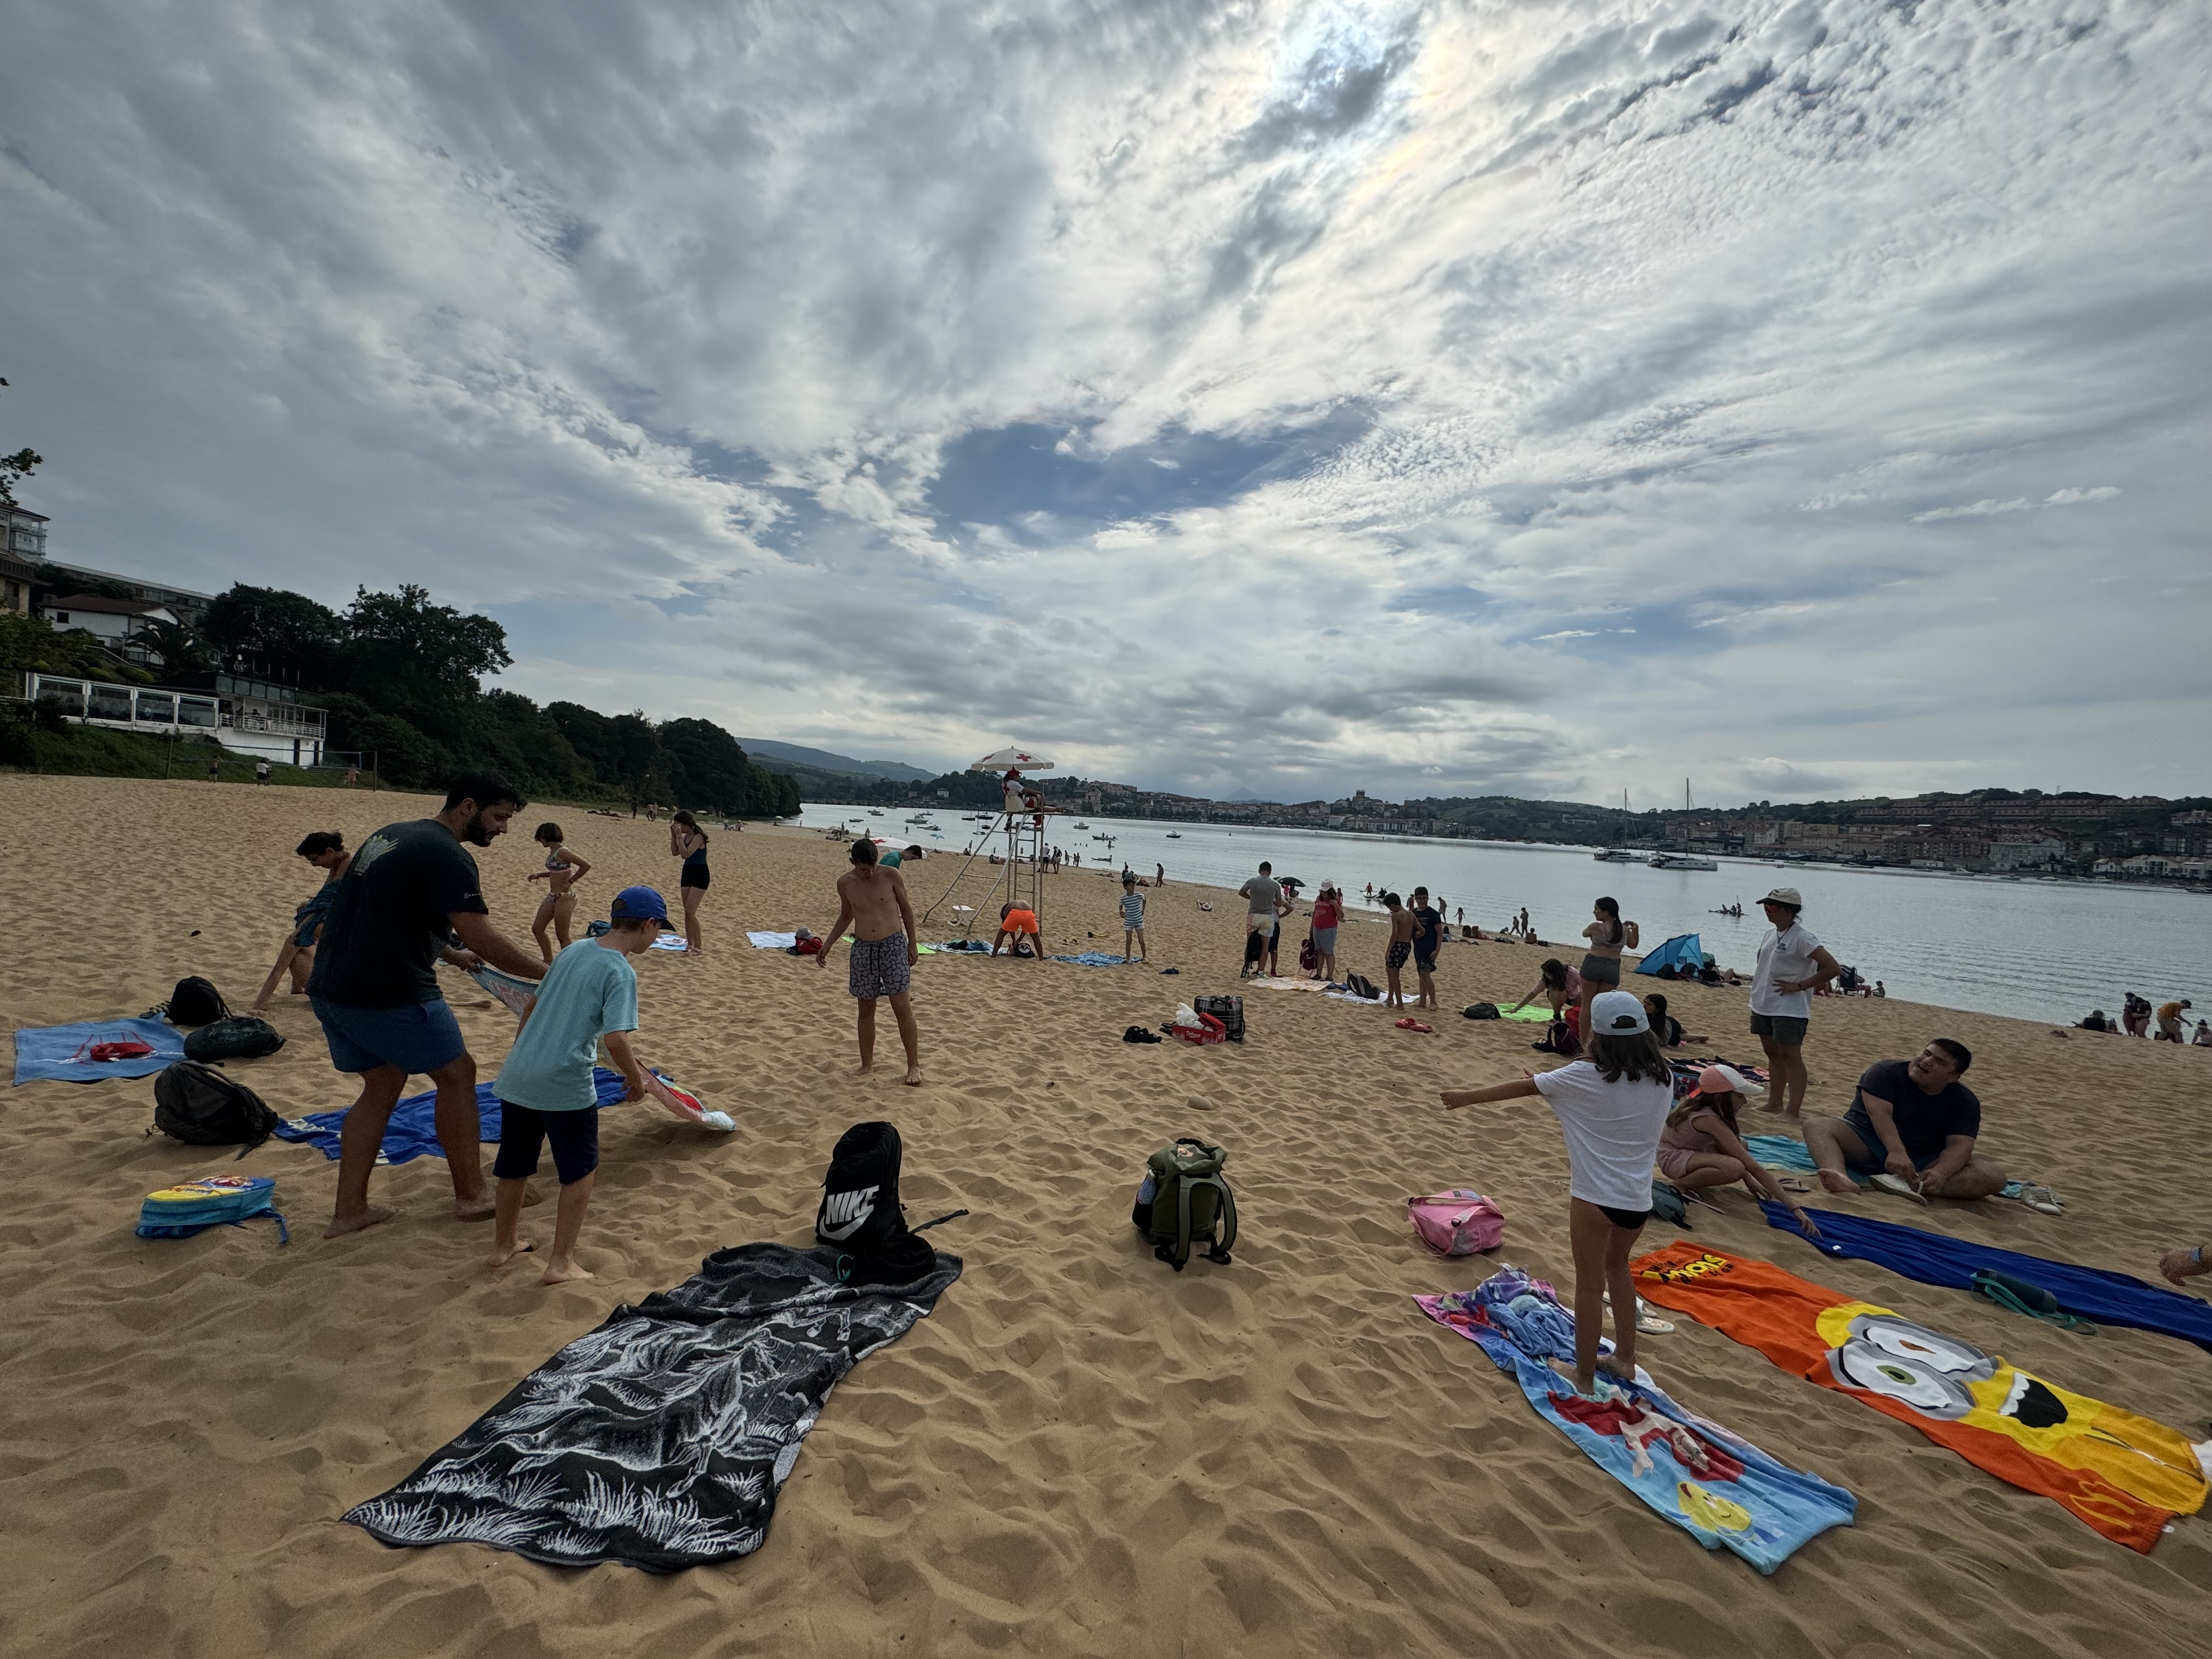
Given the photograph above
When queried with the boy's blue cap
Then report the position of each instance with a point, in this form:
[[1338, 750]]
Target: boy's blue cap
[[639, 904]]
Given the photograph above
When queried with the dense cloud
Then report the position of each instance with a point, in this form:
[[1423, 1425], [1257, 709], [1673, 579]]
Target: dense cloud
[[1803, 397]]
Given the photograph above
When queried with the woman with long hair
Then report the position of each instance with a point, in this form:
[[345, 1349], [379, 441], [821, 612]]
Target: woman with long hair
[[688, 841], [563, 870], [326, 850], [1607, 934], [1557, 984]]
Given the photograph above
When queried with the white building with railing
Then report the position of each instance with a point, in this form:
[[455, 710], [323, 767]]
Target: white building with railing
[[250, 716]]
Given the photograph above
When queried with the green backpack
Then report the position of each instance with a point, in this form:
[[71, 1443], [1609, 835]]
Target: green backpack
[[1184, 1199]]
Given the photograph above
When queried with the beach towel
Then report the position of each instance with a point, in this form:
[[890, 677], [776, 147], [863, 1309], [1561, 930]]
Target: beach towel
[[51, 1052], [772, 941], [1095, 959], [1526, 1016], [413, 1131], [668, 942], [517, 996], [2124, 1474], [1277, 982], [661, 1439], [1715, 1486], [1785, 1153], [2091, 1293]]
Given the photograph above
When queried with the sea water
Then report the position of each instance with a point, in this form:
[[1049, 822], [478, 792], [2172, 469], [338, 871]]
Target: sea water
[[2035, 949]]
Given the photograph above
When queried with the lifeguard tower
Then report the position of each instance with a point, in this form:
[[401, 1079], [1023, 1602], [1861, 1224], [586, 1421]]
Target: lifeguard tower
[[1014, 843]]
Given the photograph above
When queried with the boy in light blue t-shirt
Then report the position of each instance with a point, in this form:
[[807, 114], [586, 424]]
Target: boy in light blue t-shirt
[[546, 1092], [1132, 920]]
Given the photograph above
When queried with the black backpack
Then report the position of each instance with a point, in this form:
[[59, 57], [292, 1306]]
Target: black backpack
[[1360, 986], [861, 1217], [1481, 1011], [1230, 1011], [234, 1037], [196, 1002], [197, 1104]]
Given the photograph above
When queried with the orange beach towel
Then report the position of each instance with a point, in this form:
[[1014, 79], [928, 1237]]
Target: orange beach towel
[[2124, 1474]]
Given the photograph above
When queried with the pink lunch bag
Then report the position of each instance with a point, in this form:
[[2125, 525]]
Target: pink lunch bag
[[1458, 1222]]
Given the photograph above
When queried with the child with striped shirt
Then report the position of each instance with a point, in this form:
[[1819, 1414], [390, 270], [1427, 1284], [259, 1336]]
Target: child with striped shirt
[[1133, 918]]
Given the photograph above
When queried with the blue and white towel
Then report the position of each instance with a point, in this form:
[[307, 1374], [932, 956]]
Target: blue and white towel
[[49, 1052]]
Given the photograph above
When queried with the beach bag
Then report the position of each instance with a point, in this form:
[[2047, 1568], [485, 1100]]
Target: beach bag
[[1308, 959], [1360, 986], [1196, 1028], [193, 1206], [197, 1104], [2025, 1296], [1667, 1205], [1560, 1037], [1256, 948], [1184, 1200], [1230, 1011], [195, 1002], [1457, 1222], [860, 1217], [1481, 1011], [101, 1054], [234, 1037]]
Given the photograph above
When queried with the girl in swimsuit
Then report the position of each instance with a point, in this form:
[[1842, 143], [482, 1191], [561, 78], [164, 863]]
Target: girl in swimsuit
[[1601, 966], [688, 841], [562, 871], [326, 850]]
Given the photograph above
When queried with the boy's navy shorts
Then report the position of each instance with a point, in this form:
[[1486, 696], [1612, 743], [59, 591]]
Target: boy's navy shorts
[[523, 1130]]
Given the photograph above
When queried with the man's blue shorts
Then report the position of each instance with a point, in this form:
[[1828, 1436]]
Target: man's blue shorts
[[417, 1037], [1877, 1159]]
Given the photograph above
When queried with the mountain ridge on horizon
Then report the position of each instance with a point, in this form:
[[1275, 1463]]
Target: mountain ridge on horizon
[[824, 760]]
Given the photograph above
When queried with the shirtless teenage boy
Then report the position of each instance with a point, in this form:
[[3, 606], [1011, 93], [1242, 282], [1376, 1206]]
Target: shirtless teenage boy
[[872, 900]]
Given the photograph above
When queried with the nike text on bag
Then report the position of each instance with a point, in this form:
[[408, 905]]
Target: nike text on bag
[[234, 1037], [861, 1217], [197, 1104], [195, 1002], [1184, 1200]]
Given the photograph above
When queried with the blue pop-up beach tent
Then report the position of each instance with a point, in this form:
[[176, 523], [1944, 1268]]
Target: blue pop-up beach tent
[[1682, 953]]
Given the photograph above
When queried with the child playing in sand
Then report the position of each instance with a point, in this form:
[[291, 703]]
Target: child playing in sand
[[1611, 1108], [563, 870], [1133, 918], [545, 1089], [1702, 1144], [326, 850], [872, 900]]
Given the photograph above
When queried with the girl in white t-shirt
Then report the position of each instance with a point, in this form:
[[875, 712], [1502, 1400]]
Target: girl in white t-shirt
[[1611, 1108]]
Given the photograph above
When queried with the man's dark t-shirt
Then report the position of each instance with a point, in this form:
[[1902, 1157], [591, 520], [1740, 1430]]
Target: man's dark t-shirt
[[1925, 1121], [387, 923], [1428, 932]]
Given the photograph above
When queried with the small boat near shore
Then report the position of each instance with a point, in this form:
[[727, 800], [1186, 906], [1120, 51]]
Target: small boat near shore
[[1680, 861]]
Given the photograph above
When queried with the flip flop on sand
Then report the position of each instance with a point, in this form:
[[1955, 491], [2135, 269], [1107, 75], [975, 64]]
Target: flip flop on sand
[[1415, 1025], [1794, 1183], [1647, 1322], [1898, 1184]]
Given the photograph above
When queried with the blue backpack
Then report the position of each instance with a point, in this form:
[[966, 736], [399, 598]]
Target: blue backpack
[[193, 1206]]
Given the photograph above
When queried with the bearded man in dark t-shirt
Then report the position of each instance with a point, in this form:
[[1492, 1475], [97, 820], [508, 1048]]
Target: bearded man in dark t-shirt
[[410, 890], [1912, 1121]]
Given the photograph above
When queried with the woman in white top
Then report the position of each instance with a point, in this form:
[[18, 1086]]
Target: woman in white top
[[1792, 964], [1610, 1109]]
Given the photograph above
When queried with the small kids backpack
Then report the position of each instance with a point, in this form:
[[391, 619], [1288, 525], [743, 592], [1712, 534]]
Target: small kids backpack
[[1457, 1222], [1184, 1200], [193, 1206]]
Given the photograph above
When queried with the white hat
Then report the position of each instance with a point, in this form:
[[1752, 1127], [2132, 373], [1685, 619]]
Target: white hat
[[1789, 896], [1617, 1014]]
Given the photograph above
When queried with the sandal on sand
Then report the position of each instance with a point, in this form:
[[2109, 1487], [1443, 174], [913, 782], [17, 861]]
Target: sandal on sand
[[1415, 1025], [1794, 1184], [2040, 1197], [1898, 1184], [1647, 1322]]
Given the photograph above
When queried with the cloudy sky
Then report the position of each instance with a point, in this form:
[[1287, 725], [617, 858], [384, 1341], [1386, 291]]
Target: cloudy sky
[[1803, 397]]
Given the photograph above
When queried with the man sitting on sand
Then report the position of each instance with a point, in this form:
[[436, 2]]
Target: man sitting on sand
[[873, 901], [376, 986], [1911, 1125]]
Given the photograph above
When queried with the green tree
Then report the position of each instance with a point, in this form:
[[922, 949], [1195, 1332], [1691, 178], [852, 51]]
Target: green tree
[[289, 633], [20, 465], [27, 643], [177, 647], [421, 661]]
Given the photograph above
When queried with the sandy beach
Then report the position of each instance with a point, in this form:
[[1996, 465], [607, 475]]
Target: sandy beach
[[1079, 1452]]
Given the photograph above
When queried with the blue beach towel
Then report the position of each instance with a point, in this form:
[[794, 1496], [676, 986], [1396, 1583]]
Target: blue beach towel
[[1714, 1485], [413, 1131], [1095, 959], [2091, 1293], [770, 941], [48, 1051]]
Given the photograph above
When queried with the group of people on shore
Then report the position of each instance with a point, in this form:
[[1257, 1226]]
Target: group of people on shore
[[2136, 1014]]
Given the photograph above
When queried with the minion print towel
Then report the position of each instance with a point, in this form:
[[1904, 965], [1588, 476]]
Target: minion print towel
[[2124, 1474]]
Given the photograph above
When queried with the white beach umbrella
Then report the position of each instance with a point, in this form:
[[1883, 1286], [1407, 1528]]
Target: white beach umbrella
[[1020, 759]]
